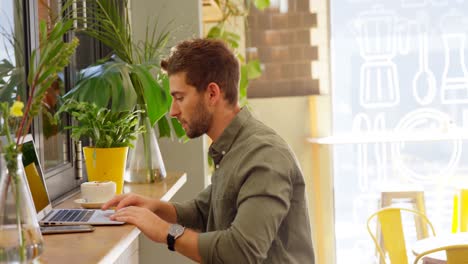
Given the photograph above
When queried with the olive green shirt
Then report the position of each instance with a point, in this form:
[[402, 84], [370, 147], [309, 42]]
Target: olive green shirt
[[255, 210]]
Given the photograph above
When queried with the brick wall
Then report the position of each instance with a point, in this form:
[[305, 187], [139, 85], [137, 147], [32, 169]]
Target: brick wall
[[282, 43]]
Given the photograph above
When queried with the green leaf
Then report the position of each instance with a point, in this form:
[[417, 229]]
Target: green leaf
[[232, 36], [32, 67], [47, 73], [214, 33], [164, 128], [262, 4], [164, 80], [157, 101], [104, 127], [243, 83], [178, 129], [5, 67], [12, 81], [254, 69], [43, 30], [52, 53], [105, 85]]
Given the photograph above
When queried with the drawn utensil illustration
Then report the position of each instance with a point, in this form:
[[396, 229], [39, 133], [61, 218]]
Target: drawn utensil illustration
[[380, 149], [424, 82], [361, 123], [426, 162], [377, 37], [404, 33], [454, 86]]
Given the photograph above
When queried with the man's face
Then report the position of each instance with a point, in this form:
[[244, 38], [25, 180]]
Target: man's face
[[189, 106]]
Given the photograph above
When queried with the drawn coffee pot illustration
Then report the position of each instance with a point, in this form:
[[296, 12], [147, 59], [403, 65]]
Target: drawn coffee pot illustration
[[455, 74], [380, 35]]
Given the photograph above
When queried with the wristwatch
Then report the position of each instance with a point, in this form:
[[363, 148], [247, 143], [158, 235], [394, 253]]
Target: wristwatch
[[175, 231]]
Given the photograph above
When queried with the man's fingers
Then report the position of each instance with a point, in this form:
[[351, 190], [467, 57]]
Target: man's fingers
[[113, 202], [128, 201], [127, 214], [110, 203]]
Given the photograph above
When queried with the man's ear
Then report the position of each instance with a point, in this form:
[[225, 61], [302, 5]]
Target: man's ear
[[214, 93]]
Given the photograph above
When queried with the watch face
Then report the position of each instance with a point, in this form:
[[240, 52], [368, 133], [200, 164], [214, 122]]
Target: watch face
[[176, 230]]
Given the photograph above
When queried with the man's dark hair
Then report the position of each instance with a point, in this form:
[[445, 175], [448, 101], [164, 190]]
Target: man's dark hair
[[205, 61]]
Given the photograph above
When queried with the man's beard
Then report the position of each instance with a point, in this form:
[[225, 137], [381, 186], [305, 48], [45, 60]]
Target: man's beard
[[200, 122]]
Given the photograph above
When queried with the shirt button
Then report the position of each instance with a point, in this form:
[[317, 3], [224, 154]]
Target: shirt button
[[224, 152], [217, 166]]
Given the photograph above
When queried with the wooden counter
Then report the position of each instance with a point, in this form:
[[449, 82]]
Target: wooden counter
[[107, 244]]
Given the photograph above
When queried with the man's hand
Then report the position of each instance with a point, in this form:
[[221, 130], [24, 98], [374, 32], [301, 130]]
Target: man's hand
[[130, 199], [149, 223]]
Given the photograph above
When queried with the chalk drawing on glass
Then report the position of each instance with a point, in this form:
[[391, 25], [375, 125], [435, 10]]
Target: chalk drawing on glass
[[465, 118], [422, 3], [377, 39], [426, 162], [404, 33], [439, 2], [454, 87], [364, 204], [424, 82], [362, 124], [413, 3], [380, 149]]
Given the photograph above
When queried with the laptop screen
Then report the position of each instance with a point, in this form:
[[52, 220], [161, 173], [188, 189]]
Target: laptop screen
[[33, 172]]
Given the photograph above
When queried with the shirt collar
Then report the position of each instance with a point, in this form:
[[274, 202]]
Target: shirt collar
[[223, 144]]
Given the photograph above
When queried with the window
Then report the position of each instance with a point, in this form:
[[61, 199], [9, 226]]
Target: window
[[399, 72], [56, 149]]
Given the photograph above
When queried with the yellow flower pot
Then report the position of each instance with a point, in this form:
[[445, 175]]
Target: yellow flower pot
[[106, 164]]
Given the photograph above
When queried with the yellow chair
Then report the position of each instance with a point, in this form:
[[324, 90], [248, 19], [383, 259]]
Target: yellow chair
[[460, 211], [456, 254], [391, 237]]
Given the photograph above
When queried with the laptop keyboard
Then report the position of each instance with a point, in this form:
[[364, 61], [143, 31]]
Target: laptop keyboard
[[65, 215]]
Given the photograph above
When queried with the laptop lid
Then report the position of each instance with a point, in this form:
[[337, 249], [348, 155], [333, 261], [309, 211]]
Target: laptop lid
[[36, 179]]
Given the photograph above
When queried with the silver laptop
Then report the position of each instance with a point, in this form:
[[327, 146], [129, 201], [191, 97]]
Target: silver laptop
[[46, 215]]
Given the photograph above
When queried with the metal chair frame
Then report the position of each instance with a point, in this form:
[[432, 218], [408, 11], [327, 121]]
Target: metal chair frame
[[390, 210]]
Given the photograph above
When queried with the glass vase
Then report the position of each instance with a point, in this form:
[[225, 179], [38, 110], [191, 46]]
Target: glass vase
[[20, 237], [145, 163]]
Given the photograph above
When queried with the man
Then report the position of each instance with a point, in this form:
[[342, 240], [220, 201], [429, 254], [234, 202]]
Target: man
[[255, 210]]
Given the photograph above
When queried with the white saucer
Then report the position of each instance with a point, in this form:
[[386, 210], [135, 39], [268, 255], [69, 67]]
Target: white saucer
[[84, 204]]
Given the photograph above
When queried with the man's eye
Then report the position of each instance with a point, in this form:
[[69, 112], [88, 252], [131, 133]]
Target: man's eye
[[178, 98]]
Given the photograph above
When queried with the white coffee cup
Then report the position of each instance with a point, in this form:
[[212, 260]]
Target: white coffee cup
[[98, 192]]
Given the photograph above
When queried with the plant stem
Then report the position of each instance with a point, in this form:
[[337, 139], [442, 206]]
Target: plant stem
[[147, 144], [148, 128], [28, 107], [22, 248]]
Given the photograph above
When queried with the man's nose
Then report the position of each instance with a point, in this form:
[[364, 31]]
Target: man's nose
[[174, 110]]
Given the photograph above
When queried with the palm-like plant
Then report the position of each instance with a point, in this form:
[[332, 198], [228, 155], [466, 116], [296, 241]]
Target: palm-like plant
[[12, 73], [131, 75]]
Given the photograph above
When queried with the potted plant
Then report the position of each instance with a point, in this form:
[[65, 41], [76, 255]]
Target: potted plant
[[18, 221], [130, 78], [111, 133]]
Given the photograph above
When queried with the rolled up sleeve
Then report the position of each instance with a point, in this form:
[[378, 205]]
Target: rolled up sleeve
[[193, 213], [262, 203]]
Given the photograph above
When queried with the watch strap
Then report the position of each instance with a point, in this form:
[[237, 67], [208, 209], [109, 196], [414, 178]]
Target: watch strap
[[170, 242]]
